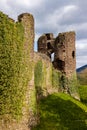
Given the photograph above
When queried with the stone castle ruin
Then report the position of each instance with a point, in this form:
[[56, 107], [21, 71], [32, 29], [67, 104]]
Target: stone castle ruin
[[63, 47], [27, 76]]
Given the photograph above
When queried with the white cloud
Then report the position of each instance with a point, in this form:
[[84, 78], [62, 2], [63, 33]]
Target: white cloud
[[4, 6], [26, 3], [69, 8], [2, 2], [81, 61], [77, 27], [15, 7], [52, 21], [81, 44], [59, 14], [81, 49], [54, 16]]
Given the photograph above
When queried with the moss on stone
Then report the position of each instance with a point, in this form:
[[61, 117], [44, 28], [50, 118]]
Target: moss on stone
[[38, 79], [56, 78], [16, 68], [73, 85]]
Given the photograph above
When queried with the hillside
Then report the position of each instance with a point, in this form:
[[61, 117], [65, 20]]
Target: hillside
[[83, 94], [82, 75], [81, 69], [62, 112]]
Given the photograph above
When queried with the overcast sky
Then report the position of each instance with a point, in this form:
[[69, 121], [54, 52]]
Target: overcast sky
[[54, 16]]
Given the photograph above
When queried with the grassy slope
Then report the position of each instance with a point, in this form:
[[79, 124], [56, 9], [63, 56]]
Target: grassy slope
[[82, 77], [62, 112], [83, 94]]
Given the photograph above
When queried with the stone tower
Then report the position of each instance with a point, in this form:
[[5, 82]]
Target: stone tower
[[63, 47], [27, 21], [65, 53], [46, 44]]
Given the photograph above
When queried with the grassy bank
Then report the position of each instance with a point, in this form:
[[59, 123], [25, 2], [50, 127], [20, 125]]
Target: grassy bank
[[62, 112], [83, 94]]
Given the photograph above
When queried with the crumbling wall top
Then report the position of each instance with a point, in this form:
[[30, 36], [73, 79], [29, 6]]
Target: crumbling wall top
[[24, 15]]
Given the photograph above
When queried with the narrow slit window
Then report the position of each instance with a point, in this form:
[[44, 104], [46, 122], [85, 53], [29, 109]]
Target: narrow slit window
[[73, 54]]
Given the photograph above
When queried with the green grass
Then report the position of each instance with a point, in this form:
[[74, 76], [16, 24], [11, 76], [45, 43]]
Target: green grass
[[82, 77], [56, 78], [62, 112], [83, 94]]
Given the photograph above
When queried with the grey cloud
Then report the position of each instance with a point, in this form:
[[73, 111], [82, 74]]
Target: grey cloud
[[82, 34], [49, 16], [81, 53], [74, 18], [81, 60]]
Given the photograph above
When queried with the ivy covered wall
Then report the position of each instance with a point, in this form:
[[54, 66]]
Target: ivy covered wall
[[25, 76], [16, 66], [46, 78]]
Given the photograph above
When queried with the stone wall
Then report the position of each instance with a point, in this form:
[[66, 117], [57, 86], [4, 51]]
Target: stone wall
[[63, 47], [27, 76], [43, 76], [17, 98]]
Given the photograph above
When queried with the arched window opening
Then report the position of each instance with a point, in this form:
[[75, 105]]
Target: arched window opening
[[48, 45], [52, 57]]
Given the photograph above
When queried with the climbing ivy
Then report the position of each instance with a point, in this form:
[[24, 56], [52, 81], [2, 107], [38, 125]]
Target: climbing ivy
[[38, 80], [73, 84], [56, 78], [14, 63]]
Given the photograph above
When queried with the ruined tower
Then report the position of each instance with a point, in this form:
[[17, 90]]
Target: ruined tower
[[27, 21], [63, 47], [64, 57], [46, 44]]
